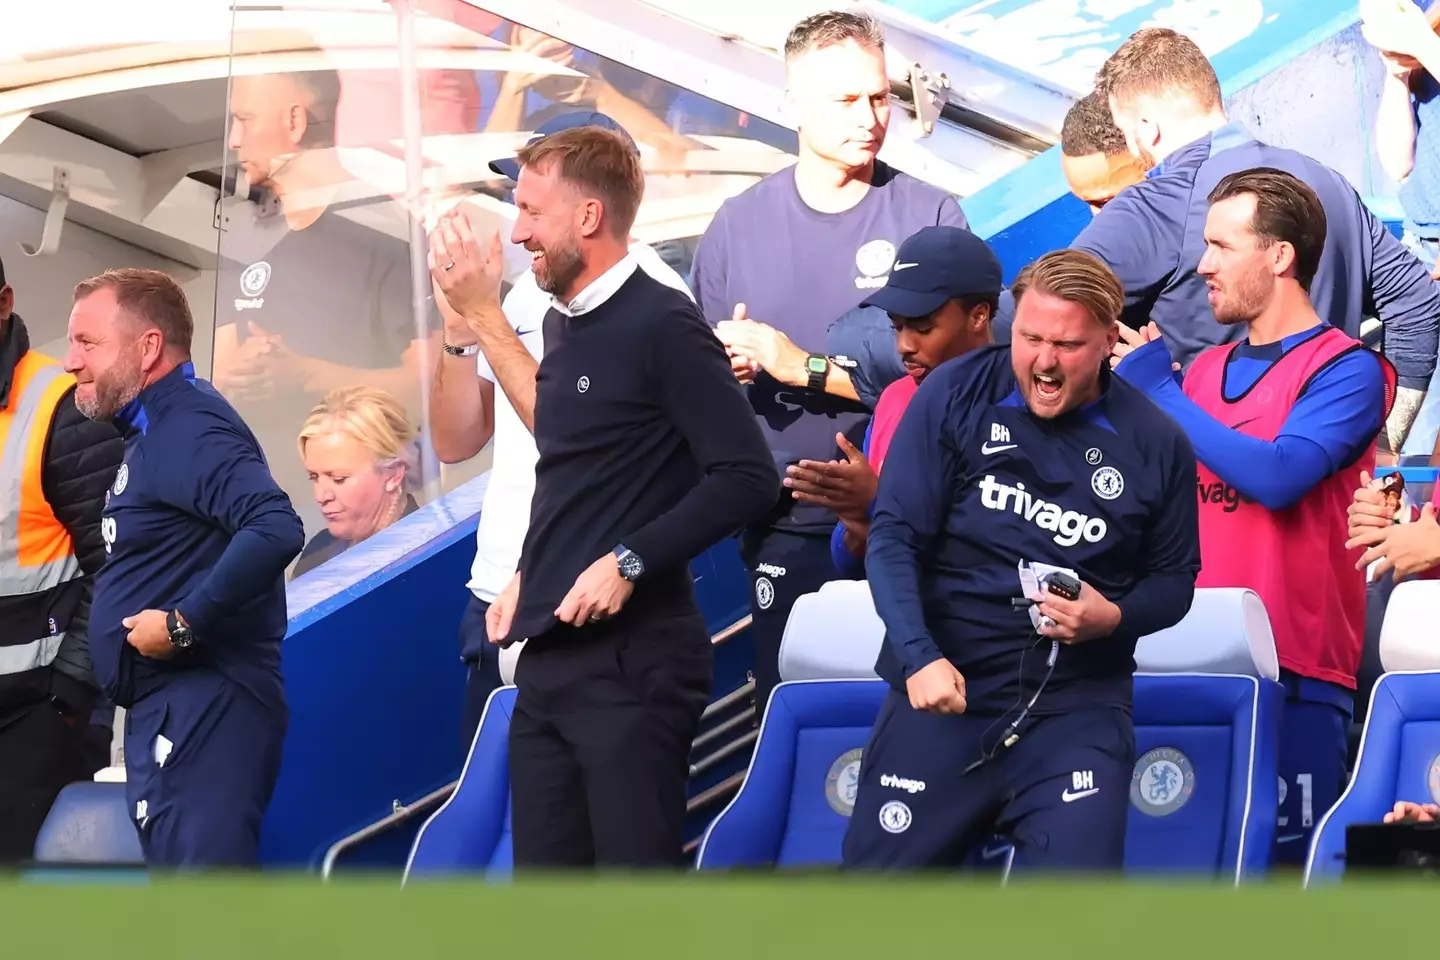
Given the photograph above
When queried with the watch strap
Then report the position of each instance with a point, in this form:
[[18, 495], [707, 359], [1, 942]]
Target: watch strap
[[469, 350], [817, 366], [180, 635]]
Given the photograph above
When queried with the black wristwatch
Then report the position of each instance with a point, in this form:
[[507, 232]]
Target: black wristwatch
[[632, 568], [817, 365], [180, 635]]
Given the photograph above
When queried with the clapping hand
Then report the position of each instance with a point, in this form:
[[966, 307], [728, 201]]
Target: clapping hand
[[467, 270], [846, 487]]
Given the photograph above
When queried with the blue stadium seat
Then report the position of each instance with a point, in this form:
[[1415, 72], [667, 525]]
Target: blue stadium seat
[[470, 833], [795, 803], [90, 824], [1207, 709], [1399, 755], [1205, 795]]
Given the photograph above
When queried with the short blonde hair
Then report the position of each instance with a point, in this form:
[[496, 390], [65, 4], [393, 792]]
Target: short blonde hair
[[370, 416], [1075, 277]]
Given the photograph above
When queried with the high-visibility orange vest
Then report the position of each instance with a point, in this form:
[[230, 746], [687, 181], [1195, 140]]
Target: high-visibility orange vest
[[36, 554]]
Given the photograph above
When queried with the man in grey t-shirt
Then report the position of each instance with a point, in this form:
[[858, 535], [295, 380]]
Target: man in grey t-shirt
[[779, 264]]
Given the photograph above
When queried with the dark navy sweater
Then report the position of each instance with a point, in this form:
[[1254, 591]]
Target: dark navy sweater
[[193, 522], [974, 483], [646, 440], [1153, 236]]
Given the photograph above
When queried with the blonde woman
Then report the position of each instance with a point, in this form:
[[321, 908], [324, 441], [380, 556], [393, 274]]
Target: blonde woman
[[359, 450]]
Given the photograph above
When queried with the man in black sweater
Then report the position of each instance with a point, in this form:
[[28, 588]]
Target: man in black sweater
[[649, 454]]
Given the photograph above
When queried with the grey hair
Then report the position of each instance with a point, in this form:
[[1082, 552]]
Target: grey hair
[[833, 27]]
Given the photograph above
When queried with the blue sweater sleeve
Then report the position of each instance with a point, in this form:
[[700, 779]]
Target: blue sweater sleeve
[[921, 467], [1139, 235], [1405, 298], [846, 563], [229, 485], [1331, 424]]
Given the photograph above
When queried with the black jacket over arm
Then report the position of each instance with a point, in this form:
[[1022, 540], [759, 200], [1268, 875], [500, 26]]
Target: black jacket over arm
[[81, 458]]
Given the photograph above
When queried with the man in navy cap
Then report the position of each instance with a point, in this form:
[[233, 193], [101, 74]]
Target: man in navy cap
[[940, 297], [467, 412]]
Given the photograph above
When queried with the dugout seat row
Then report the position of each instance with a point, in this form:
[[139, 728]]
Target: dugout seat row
[[1204, 796], [1399, 756], [1207, 719]]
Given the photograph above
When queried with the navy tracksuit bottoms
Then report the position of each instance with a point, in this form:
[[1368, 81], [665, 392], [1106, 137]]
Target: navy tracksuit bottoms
[[1061, 793], [201, 759]]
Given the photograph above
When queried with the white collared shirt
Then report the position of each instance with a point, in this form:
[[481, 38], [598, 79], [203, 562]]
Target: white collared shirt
[[505, 513], [602, 288]]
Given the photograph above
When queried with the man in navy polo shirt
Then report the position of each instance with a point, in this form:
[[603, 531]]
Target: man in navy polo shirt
[[794, 252], [1166, 99]]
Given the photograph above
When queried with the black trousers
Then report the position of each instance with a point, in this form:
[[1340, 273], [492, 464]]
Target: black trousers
[[483, 676], [600, 741], [40, 753]]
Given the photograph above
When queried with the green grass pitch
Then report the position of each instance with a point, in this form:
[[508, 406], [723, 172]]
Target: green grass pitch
[[736, 918]]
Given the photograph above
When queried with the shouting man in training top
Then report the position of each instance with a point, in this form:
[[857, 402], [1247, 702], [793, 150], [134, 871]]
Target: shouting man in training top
[[1034, 520]]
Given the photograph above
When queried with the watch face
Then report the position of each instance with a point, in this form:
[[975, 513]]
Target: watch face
[[816, 364], [631, 567]]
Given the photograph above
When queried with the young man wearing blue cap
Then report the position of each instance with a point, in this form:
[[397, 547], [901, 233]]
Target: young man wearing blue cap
[[467, 412], [940, 297]]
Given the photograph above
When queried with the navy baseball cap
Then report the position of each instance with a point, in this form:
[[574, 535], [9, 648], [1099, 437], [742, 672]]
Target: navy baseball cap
[[935, 265], [510, 167]]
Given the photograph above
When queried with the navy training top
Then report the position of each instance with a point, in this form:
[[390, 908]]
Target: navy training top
[[974, 484], [193, 522]]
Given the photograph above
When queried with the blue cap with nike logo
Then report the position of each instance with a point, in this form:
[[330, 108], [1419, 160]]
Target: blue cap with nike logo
[[936, 265]]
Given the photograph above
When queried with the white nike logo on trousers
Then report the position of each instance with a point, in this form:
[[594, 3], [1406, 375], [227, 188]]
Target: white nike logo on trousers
[[1069, 797], [987, 449]]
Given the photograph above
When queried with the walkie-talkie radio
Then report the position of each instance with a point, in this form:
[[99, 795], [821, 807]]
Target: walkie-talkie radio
[[1062, 584]]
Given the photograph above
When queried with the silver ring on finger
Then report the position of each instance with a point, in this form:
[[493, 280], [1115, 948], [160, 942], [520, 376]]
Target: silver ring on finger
[[449, 266], [1046, 623], [595, 618]]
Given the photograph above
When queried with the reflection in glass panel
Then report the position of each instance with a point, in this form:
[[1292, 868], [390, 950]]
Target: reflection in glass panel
[[344, 146], [697, 152]]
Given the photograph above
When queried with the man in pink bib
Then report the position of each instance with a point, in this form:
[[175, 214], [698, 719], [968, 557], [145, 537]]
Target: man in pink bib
[[940, 295], [1283, 424]]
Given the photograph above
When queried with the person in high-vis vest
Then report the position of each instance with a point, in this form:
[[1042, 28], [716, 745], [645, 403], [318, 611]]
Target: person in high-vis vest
[[55, 466]]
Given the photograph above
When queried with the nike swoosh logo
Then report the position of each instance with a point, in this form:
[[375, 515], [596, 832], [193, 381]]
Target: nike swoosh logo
[[990, 853], [987, 449], [1069, 797], [526, 333], [905, 266], [1290, 837]]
